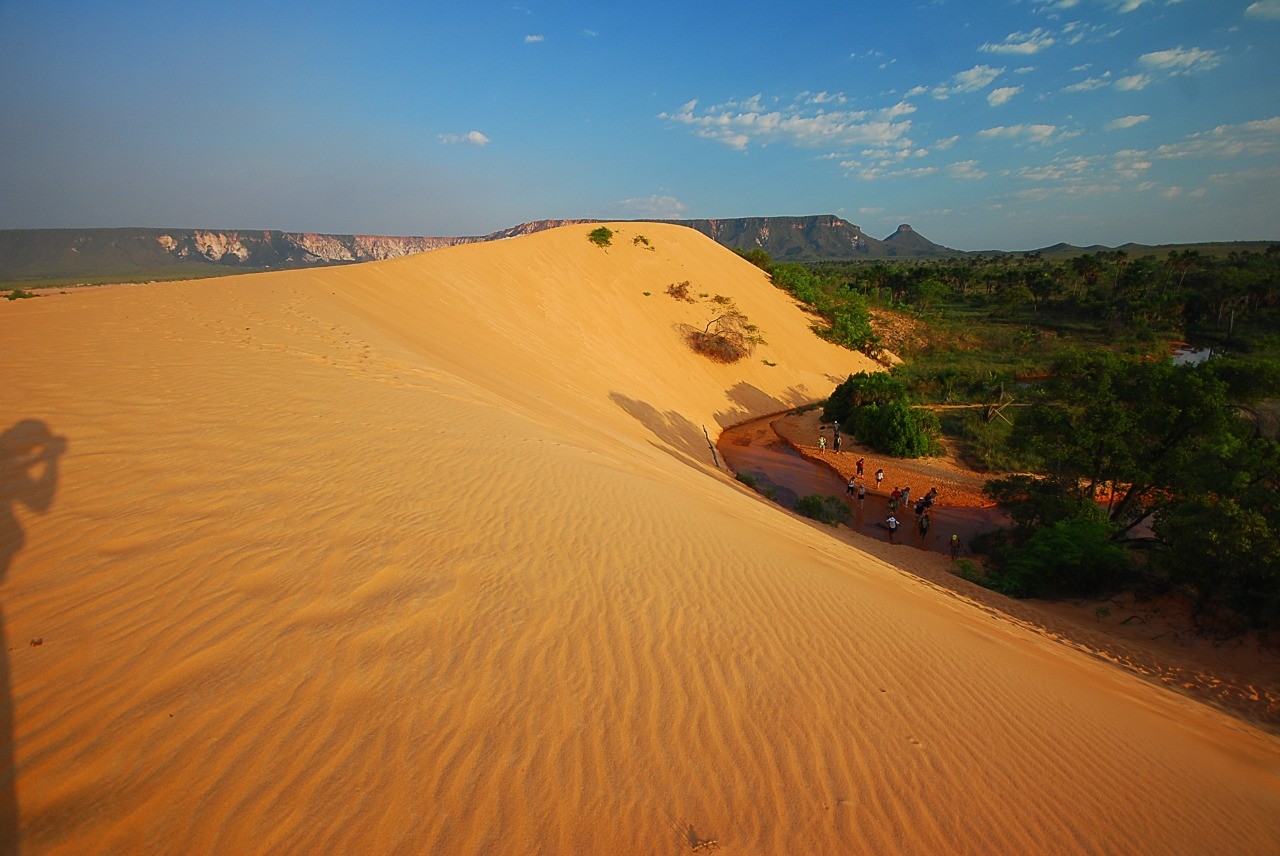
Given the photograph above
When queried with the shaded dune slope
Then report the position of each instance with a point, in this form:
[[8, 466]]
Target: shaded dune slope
[[430, 555]]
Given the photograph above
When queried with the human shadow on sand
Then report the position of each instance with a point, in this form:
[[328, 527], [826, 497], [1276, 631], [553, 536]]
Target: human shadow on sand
[[749, 402], [29, 454], [695, 444], [677, 435]]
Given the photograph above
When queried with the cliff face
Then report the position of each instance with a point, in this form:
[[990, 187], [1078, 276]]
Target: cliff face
[[792, 238], [289, 248]]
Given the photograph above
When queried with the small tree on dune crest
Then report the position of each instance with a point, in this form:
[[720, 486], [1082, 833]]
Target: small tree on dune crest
[[602, 237]]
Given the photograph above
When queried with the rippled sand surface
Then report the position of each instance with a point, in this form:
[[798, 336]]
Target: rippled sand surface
[[431, 556]]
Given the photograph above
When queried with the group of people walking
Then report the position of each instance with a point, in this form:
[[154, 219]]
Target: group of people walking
[[899, 496]]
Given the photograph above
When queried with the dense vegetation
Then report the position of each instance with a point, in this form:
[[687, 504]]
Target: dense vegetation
[[1139, 473], [875, 409]]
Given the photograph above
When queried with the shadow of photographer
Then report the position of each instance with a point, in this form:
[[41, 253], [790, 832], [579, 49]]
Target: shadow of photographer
[[29, 454]]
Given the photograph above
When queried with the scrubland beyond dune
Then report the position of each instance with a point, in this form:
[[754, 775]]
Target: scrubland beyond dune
[[430, 555]]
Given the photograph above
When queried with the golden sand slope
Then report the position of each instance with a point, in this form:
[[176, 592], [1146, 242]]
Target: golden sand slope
[[429, 556]]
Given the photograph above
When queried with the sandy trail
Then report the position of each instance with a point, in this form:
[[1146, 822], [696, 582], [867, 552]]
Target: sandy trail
[[429, 555]]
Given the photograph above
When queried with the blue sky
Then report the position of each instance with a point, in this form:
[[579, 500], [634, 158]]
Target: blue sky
[[995, 125]]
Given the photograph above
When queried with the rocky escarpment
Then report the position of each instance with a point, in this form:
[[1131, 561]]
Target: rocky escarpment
[[824, 236]]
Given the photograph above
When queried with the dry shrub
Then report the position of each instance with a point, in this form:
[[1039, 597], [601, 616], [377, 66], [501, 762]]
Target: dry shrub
[[727, 338], [680, 291]]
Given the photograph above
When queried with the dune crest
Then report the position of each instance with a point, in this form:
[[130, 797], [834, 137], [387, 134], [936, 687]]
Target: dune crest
[[431, 555]]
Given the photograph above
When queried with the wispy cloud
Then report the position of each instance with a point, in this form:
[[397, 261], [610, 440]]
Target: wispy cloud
[[967, 170], [1134, 82], [738, 123], [656, 206], [1089, 84], [1076, 32], [856, 169], [473, 138], [1060, 169], [1266, 10], [969, 80], [1125, 122], [1181, 60], [534, 38], [1021, 43], [996, 97], [1249, 139], [1032, 133]]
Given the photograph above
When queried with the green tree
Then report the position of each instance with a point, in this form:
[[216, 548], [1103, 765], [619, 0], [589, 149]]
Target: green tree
[[851, 326], [1072, 557], [860, 390], [896, 429], [1225, 553]]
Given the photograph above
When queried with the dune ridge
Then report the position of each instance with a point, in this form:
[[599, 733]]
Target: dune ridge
[[431, 555]]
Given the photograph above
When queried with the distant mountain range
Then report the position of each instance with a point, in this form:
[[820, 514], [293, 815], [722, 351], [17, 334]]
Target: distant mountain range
[[101, 254], [57, 256]]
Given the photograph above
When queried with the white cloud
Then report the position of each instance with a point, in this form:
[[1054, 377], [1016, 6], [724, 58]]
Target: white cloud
[[1069, 169], [967, 170], [1133, 82], [1125, 122], [855, 169], [1078, 31], [946, 143], [1034, 133], [1070, 191], [737, 124], [1248, 176], [591, 34], [1130, 164], [655, 206], [971, 80], [534, 39], [1249, 139], [996, 97], [823, 97], [1129, 5], [473, 138], [1021, 43], [1090, 84], [1266, 10], [1181, 60]]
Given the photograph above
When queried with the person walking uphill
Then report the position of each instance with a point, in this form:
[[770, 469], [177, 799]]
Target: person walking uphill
[[879, 477], [861, 461], [892, 525]]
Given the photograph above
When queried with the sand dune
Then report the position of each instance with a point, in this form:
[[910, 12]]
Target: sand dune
[[430, 555]]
